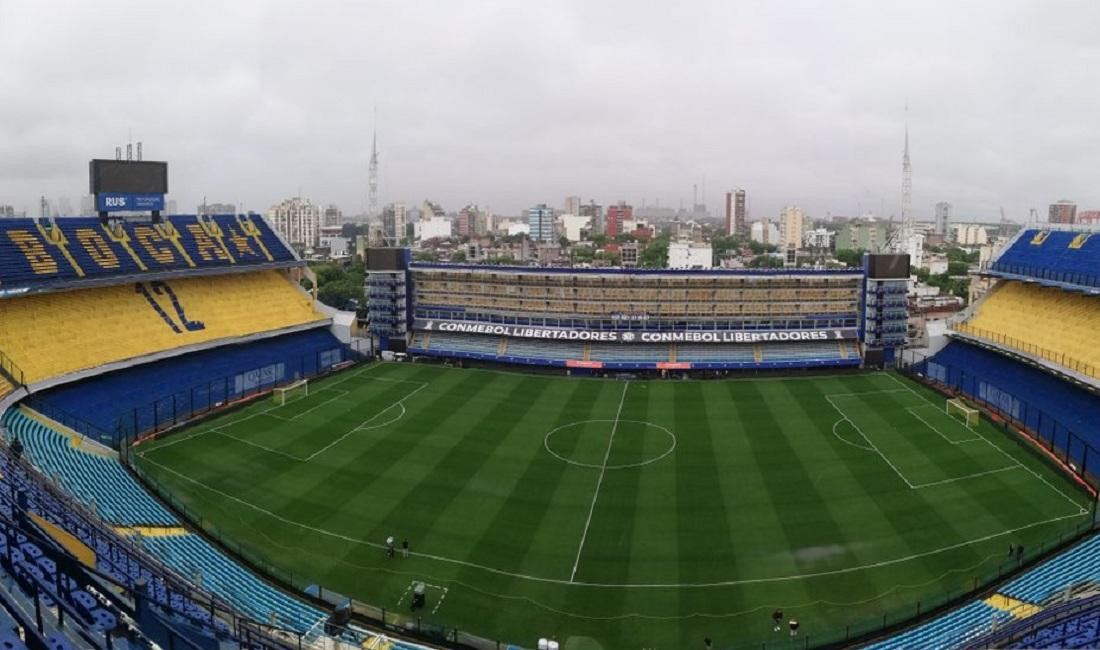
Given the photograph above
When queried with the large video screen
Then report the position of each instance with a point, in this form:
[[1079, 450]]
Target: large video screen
[[889, 267], [129, 177], [386, 259]]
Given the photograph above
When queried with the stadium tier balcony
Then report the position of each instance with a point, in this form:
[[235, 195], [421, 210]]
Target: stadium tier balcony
[[39, 333], [1047, 323], [1064, 257], [60, 253]]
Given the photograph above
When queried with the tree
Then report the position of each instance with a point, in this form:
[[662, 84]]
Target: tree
[[765, 262], [458, 256], [850, 258], [599, 241], [655, 255], [425, 256], [957, 268]]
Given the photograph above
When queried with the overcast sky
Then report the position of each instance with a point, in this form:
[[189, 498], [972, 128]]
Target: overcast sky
[[508, 104]]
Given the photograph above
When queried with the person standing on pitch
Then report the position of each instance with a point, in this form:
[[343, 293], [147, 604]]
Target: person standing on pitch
[[794, 627], [405, 548], [389, 546], [777, 619]]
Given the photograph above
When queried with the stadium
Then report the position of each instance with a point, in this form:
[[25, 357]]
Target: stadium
[[198, 454]]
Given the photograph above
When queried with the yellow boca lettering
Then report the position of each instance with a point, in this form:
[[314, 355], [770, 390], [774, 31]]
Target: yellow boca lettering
[[154, 245], [208, 249], [97, 248], [241, 243], [41, 262]]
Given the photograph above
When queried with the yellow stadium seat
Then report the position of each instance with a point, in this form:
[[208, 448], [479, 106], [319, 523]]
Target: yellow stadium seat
[[5, 386], [54, 334], [1048, 323]]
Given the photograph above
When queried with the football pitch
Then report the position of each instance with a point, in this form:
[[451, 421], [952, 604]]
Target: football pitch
[[619, 514]]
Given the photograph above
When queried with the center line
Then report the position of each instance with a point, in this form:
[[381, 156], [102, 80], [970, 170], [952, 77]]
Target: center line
[[599, 482]]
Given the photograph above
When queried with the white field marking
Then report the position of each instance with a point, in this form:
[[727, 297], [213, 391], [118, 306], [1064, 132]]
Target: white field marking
[[968, 476], [599, 482], [1083, 510], [917, 486], [387, 422], [220, 430], [339, 394], [868, 392], [845, 440], [928, 424], [360, 426], [178, 439], [844, 415], [645, 423], [559, 581]]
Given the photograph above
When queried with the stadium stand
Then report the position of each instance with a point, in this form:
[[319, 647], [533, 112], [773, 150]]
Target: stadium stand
[[1075, 624], [1058, 412], [643, 352], [536, 349], [38, 332], [1059, 256], [121, 501], [65, 252], [1060, 326], [143, 398], [716, 352]]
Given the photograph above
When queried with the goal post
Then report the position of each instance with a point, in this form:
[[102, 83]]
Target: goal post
[[292, 391], [958, 408]]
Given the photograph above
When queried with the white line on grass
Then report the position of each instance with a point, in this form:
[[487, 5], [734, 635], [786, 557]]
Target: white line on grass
[[339, 394], [559, 581], [599, 482], [941, 433], [845, 440], [1005, 453], [968, 476], [844, 415], [360, 426]]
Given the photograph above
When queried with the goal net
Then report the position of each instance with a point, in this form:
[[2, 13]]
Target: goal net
[[958, 409], [292, 391]]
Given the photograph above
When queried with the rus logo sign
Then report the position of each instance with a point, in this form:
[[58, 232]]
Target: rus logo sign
[[115, 201]]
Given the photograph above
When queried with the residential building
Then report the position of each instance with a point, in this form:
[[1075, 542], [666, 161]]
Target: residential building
[[298, 220], [572, 205], [1088, 217], [943, 217], [574, 226], [792, 225], [764, 232], [617, 215], [433, 228], [7, 211], [690, 255], [333, 239], [332, 216], [735, 212], [1062, 212], [594, 212], [629, 254], [395, 218], [970, 234], [519, 228], [818, 239], [862, 235], [540, 222]]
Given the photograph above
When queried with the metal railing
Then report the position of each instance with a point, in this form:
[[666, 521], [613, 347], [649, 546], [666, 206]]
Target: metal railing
[[1055, 356]]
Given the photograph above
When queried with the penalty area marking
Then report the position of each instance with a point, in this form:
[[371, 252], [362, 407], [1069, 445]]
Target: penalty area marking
[[645, 423]]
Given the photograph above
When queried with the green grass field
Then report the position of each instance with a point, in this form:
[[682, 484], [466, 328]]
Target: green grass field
[[641, 514]]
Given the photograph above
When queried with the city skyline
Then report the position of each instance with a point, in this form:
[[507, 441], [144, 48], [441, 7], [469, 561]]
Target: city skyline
[[814, 118]]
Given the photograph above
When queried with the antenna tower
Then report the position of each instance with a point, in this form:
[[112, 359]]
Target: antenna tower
[[372, 179], [906, 179]]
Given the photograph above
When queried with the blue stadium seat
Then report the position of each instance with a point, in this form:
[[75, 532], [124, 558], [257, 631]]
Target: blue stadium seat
[[1057, 256]]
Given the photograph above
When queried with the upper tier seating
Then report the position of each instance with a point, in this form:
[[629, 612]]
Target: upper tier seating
[[1049, 323], [52, 334], [1055, 255], [34, 252], [141, 398]]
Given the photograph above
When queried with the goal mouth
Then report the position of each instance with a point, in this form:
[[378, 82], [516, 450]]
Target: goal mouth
[[292, 391], [958, 408]]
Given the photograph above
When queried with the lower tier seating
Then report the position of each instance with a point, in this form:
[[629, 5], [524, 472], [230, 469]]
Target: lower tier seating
[[53, 334], [1052, 324], [99, 481], [135, 400], [1054, 409]]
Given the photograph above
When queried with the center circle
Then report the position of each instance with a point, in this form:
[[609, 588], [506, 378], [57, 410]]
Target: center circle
[[585, 443]]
